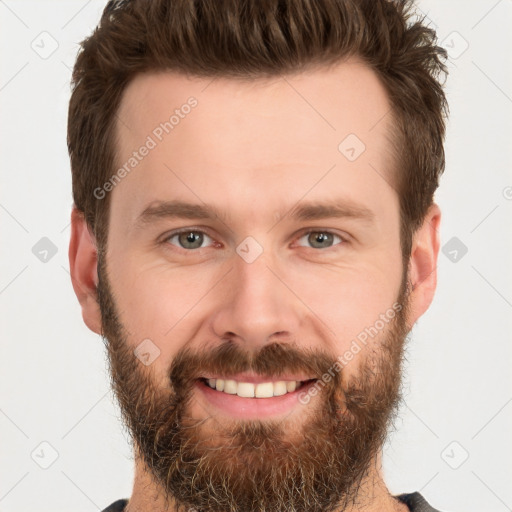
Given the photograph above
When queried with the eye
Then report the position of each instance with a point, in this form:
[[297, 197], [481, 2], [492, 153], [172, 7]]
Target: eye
[[321, 239], [191, 239], [187, 238]]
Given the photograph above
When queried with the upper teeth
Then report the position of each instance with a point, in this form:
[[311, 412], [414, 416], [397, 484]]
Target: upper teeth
[[250, 390]]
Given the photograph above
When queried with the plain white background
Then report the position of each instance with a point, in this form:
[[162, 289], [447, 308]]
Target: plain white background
[[453, 438]]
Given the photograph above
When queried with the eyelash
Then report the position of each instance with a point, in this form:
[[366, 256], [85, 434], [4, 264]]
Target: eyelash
[[167, 238]]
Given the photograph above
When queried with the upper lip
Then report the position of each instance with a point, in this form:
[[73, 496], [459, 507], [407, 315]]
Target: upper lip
[[255, 379]]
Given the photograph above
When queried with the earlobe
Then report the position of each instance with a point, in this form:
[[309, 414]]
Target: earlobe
[[423, 264], [83, 258]]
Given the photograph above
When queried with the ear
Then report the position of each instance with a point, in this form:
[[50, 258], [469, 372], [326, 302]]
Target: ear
[[423, 264], [83, 258]]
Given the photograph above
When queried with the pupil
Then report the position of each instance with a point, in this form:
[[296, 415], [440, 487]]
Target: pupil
[[190, 240], [319, 238]]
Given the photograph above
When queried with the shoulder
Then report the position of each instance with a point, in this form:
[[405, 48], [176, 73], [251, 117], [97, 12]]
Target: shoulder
[[416, 502], [117, 506]]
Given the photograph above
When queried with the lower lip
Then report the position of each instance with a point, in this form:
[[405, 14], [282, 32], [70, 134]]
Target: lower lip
[[251, 408]]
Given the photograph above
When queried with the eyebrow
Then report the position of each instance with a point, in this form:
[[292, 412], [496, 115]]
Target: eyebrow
[[306, 211]]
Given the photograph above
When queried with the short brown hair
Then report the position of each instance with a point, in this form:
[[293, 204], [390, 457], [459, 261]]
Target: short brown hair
[[252, 39]]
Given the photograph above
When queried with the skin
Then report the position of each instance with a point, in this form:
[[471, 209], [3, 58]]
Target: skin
[[254, 150]]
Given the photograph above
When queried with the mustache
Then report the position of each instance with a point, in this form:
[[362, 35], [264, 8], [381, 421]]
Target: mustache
[[271, 361]]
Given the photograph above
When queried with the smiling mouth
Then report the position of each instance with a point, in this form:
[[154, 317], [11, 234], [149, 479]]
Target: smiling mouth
[[255, 390]]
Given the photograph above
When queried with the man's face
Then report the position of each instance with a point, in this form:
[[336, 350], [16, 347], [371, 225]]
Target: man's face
[[259, 290]]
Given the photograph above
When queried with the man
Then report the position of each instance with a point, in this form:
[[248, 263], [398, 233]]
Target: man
[[254, 235]]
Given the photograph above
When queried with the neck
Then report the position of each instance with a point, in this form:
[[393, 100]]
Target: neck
[[148, 497]]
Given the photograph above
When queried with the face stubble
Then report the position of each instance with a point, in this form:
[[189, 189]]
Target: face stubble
[[210, 465]]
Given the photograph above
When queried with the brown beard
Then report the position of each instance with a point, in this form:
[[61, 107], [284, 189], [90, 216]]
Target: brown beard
[[254, 465]]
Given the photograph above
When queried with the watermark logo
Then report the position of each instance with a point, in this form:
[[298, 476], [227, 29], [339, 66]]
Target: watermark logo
[[44, 250], [44, 455], [455, 455], [45, 45], [147, 352], [351, 147], [454, 249], [455, 45], [249, 249]]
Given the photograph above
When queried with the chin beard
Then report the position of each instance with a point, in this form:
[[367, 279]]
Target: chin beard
[[209, 465]]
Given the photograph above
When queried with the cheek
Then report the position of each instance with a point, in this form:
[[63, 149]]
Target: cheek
[[348, 300], [169, 305], [156, 301]]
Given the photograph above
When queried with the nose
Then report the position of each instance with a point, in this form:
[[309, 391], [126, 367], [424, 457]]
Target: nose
[[257, 304]]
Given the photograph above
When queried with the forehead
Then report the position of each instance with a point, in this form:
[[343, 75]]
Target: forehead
[[231, 137], [332, 101]]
